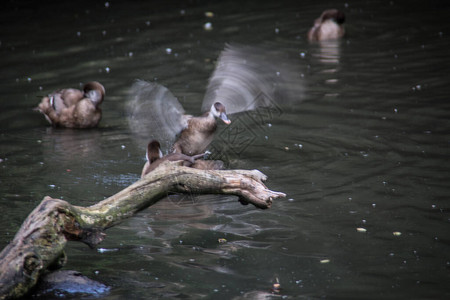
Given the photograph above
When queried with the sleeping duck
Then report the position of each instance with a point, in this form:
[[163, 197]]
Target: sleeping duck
[[329, 26], [155, 157], [73, 108]]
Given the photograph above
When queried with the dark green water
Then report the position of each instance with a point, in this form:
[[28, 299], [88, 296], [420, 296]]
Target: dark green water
[[365, 146]]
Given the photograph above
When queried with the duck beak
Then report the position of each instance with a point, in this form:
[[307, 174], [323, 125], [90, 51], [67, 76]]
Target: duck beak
[[224, 118]]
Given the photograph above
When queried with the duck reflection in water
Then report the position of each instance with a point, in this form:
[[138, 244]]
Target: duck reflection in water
[[245, 79], [329, 26], [73, 108]]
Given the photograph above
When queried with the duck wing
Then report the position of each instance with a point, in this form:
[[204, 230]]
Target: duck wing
[[248, 77], [155, 113], [64, 98]]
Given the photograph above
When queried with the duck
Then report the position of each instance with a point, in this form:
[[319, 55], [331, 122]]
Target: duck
[[74, 108], [199, 131], [163, 113], [329, 26], [245, 79], [155, 158]]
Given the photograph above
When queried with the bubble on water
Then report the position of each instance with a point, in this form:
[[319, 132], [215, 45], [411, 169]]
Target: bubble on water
[[168, 50], [277, 30], [374, 205], [104, 250], [107, 4], [208, 26], [364, 154], [302, 54], [78, 33], [147, 23], [418, 87], [130, 54], [107, 69], [29, 79], [395, 110]]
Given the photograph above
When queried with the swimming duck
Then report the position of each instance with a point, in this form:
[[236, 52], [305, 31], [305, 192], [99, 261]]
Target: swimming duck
[[329, 26], [155, 157], [73, 108]]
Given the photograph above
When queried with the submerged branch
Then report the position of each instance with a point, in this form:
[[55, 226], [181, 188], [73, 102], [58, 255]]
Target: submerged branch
[[39, 244]]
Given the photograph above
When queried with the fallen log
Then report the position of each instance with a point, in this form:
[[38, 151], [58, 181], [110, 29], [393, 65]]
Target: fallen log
[[38, 246]]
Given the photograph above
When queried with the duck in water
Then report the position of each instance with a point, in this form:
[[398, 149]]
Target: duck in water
[[329, 26], [73, 108]]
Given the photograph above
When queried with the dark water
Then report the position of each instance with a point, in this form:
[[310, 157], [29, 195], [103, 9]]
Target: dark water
[[362, 155]]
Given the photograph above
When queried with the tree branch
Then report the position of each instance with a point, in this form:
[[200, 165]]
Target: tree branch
[[39, 244]]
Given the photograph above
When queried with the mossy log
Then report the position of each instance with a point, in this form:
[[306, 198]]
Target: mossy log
[[38, 246]]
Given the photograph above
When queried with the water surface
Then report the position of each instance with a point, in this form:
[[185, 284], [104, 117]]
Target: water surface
[[361, 154]]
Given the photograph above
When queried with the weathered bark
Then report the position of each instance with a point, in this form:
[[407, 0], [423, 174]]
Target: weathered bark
[[39, 244]]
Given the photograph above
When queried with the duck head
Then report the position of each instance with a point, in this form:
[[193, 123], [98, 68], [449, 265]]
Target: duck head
[[218, 111], [333, 14], [94, 91], [153, 151]]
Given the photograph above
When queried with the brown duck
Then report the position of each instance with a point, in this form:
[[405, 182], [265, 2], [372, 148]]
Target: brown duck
[[155, 158], [329, 26], [199, 131], [245, 79], [155, 111], [73, 108]]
